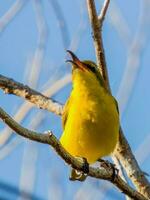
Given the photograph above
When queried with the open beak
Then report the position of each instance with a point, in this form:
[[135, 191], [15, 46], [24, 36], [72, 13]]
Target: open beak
[[75, 61]]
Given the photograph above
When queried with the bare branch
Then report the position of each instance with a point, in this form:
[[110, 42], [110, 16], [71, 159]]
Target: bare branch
[[121, 172], [143, 151], [78, 34], [61, 22], [101, 17], [50, 89], [29, 160], [50, 139], [123, 152], [28, 168], [36, 62], [13, 87], [98, 44], [8, 148], [11, 13], [118, 21], [19, 116], [125, 155]]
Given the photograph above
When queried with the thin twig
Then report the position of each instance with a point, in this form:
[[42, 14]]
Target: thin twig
[[98, 44], [65, 36], [143, 151], [11, 13], [101, 17], [8, 148], [36, 62], [50, 139], [118, 21], [28, 170], [78, 34], [121, 172], [21, 113]]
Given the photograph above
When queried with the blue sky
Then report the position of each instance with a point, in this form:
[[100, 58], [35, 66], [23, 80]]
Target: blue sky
[[18, 42]]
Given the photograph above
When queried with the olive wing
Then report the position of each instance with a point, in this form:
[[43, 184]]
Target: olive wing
[[65, 112]]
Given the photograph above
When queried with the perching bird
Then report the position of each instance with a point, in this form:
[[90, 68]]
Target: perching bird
[[90, 118]]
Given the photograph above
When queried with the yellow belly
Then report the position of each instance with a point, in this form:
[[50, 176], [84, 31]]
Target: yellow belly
[[92, 127]]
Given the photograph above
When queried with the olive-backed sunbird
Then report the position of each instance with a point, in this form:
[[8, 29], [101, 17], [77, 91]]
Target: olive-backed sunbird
[[90, 117]]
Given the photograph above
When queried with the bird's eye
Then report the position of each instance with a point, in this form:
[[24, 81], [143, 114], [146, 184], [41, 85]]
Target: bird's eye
[[91, 68]]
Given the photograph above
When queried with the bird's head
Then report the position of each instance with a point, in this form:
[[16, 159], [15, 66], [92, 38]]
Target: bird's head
[[85, 68]]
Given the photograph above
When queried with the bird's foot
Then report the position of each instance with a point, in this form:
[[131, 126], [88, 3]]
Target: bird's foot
[[85, 166], [76, 175], [80, 175], [110, 166]]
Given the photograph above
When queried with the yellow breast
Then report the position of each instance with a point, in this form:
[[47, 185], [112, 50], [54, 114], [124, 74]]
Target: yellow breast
[[91, 120]]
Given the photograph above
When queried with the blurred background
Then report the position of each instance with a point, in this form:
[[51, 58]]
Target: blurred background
[[34, 37]]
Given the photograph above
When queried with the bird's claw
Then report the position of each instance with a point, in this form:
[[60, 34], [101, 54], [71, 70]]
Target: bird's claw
[[77, 175], [85, 166], [109, 166]]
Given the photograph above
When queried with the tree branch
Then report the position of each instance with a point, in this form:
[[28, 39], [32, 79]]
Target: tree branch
[[50, 139], [123, 152], [11, 13], [125, 155], [101, 17], [13, 87], [98, 44]]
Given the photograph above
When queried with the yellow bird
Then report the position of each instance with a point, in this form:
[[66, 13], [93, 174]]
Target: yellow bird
[[90, 118]]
